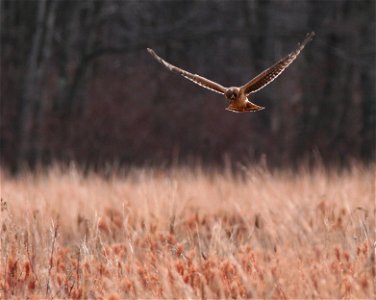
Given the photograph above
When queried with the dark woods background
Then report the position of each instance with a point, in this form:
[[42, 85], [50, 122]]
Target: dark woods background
[[77, 83]]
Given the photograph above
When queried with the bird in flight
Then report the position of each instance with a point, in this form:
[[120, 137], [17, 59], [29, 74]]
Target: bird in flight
[[238, 96]]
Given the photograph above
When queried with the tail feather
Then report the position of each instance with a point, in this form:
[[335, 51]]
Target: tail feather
[[253, 107], [248, 107]]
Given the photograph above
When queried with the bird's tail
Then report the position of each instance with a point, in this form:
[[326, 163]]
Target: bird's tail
[[253, 107], [248, 107]]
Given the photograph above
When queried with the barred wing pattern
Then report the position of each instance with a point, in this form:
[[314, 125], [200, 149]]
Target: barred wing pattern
[[201, 81], [266, 77]]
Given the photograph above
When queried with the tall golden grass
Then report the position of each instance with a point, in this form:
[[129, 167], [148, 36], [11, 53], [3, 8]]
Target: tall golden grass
[[189, 233]]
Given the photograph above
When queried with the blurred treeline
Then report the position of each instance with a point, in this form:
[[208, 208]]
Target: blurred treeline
[[77, 83]]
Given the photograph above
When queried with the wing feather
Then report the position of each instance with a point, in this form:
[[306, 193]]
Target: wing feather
[[201, 81], [266, 77]]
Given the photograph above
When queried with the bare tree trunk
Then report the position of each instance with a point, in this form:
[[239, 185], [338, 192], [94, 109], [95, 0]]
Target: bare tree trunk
[[368, 79], [31, 92], [71, 101], [256, 17], [38, 141], [317, 95]]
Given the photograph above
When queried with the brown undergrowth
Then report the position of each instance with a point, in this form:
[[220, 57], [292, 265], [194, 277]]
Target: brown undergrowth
[[189, 234]]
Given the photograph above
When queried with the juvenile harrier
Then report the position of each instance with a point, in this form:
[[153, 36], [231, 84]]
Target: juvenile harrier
[[238, 95]]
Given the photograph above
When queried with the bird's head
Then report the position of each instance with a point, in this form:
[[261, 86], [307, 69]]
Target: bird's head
[[232, 93]]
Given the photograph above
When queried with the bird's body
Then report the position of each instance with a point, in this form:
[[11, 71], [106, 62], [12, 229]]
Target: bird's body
[[238, 96], [239, 101]]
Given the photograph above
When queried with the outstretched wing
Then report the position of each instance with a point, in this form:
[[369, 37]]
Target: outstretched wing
[[201, 81], [274, 71]]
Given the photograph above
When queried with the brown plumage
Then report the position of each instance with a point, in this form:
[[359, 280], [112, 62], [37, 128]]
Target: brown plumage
[[238, 96]]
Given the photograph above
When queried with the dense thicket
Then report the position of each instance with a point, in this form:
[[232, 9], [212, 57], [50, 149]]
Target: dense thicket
[[78, 84]]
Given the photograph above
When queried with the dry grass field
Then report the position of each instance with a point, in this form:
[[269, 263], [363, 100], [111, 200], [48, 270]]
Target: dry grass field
[[189, 234]]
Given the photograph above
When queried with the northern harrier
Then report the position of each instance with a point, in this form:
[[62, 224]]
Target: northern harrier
[[238, 95]]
